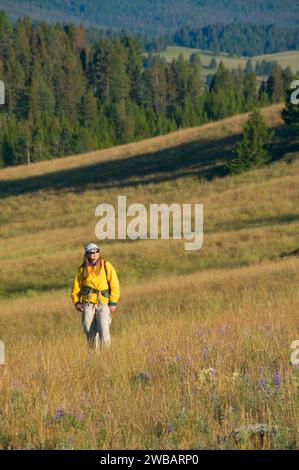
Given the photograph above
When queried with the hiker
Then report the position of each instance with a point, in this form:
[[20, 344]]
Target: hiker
[[95, 294]]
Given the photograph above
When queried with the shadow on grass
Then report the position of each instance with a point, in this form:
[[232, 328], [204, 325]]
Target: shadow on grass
[[235, 225], [206, 159], [285, 141]]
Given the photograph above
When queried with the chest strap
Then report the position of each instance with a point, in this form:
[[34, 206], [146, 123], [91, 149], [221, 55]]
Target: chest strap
[[90, 290]]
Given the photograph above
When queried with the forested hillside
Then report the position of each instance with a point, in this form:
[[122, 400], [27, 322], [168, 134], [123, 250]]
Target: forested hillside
[[240, 39], [156, 17], [65, 95]]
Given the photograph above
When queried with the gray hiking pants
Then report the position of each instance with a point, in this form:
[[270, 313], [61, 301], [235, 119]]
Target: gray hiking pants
[[96, 320]]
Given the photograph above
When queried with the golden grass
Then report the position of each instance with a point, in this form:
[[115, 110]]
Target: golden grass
[[247, 218], [201, 341], [285, 59], [198, 325]]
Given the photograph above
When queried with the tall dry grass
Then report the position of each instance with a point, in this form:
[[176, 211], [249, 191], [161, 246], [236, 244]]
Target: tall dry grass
[[200, 353], [197, 362]]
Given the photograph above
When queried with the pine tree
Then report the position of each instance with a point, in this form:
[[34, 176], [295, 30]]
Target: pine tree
[[99, 69], [250, 91], [213, 63], [276, 85], [22, 45], [223, 98], [196, 95], [182, 73], [249, 66], [89, 111], [194, 60], [79, 43], [251, 149], [171, 91], [134, 67], [118, 77], [5, 36], [263, 97], [156, 85], [16, 145]]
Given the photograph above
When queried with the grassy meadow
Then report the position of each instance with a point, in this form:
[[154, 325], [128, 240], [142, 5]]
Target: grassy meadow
[[200, 352], [285, 59]]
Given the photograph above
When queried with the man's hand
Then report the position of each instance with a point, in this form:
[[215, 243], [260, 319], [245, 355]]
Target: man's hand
[[112, 308], [79, 307]]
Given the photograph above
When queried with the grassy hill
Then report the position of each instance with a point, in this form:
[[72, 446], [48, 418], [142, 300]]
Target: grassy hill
[[211, 329], [285, 59]]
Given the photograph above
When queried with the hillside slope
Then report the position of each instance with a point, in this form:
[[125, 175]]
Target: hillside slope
[[209, 330], [284, 59]]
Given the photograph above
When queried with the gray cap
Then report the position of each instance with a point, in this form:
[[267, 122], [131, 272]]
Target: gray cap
[[91, 247]]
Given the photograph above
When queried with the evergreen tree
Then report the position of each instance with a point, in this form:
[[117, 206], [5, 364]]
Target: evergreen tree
[[250, 91], [134, 68], [223, 99], [195, 60], [79, 43], [249, 67], [263, 97], [5, 36], [213, 63], [275, 85], [156, 85], [171, 91], [251, 149], [99, 69], [288, 78], [16, 142], [118, 77]]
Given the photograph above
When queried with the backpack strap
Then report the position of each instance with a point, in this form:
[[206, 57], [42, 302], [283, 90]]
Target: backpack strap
[[106, 277], [106, 270]]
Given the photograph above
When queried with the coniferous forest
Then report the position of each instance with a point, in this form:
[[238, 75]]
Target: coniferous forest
[[240, 39], [156, 17], [66, 94]]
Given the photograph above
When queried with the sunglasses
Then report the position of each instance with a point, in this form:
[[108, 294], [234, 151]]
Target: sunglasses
[[92, 252]]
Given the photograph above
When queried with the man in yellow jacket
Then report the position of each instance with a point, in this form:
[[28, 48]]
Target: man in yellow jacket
[[96, 293]]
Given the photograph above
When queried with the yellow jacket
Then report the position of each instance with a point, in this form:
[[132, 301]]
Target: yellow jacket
[[99, 282]]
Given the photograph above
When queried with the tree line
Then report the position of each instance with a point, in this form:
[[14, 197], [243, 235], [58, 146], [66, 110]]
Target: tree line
[[155, 17], [66, 95], [238, 39]]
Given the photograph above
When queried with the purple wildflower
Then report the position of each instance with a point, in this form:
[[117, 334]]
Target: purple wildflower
[[276, 378], [59, 413], [262, 382], [177, 357]]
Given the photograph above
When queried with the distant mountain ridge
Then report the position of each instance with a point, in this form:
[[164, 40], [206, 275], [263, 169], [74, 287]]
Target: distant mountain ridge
[[156, 17]]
